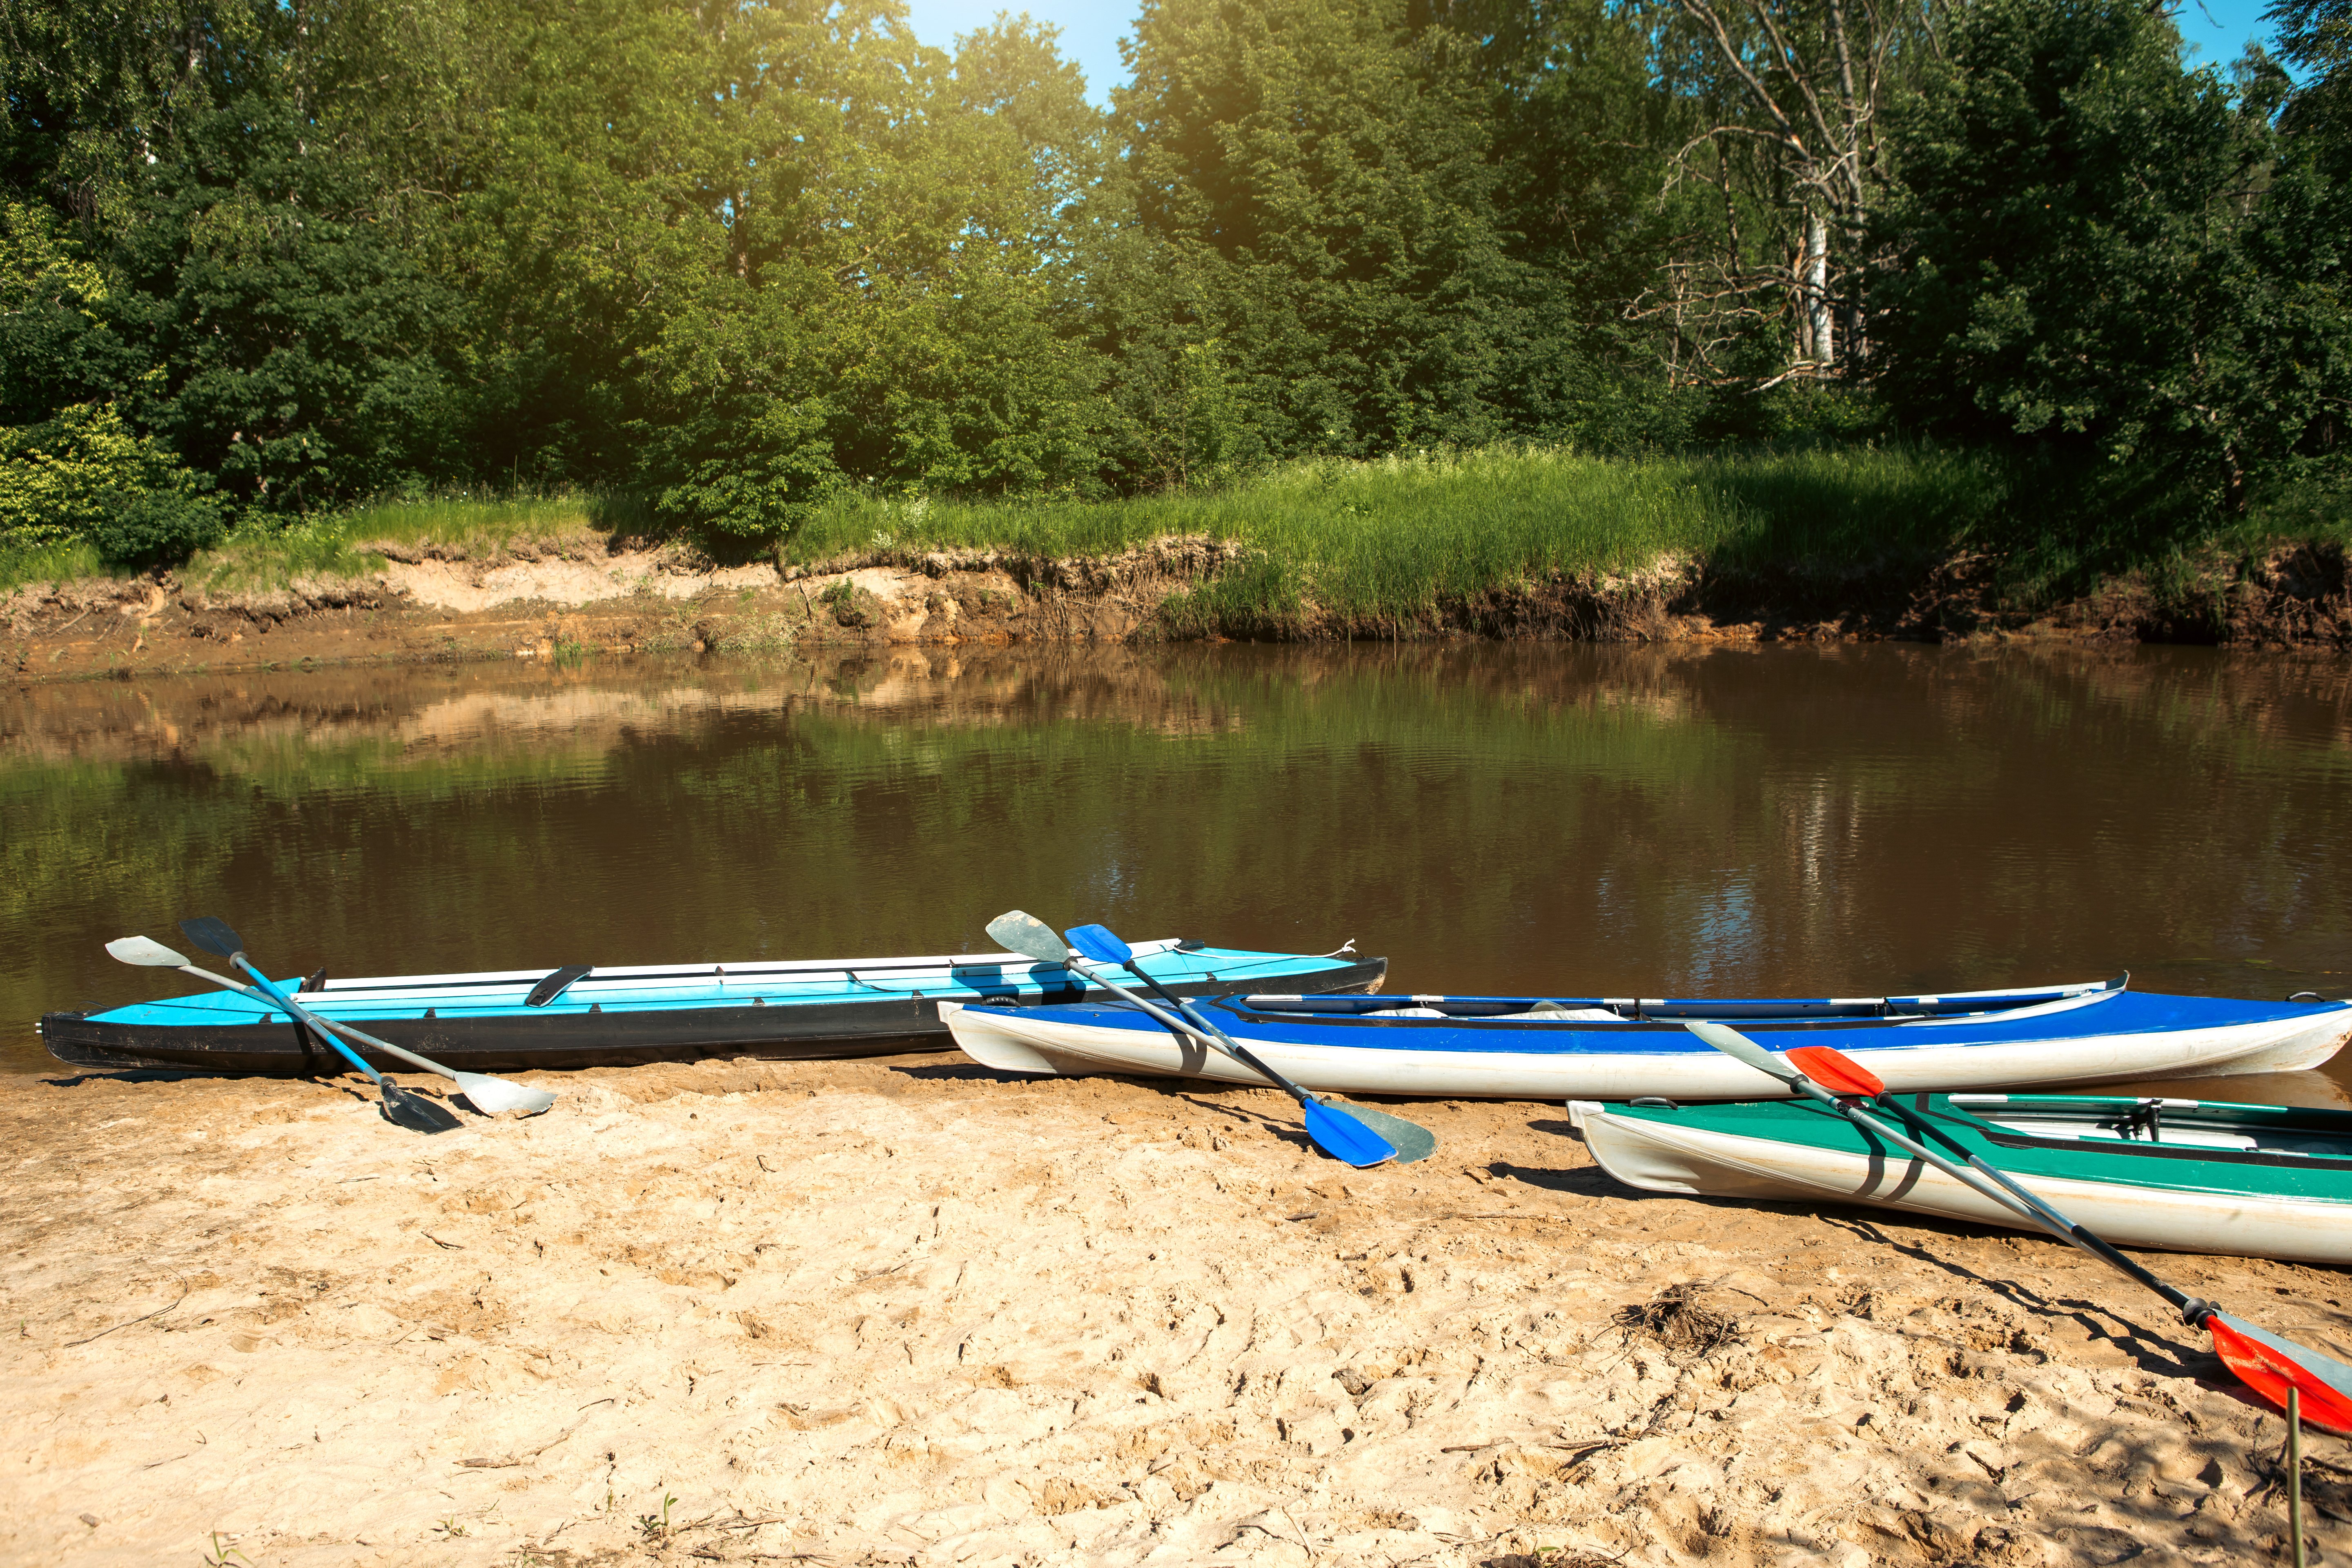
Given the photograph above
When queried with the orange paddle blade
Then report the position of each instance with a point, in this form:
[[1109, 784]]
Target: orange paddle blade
[[1835, 1071], [2268, 1365]]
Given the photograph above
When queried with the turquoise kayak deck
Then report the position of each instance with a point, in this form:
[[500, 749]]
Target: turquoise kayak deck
[[2178, 1145]]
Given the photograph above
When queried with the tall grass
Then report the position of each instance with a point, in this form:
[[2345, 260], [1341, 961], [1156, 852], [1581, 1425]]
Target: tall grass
[[1388, 538], [61, 561]]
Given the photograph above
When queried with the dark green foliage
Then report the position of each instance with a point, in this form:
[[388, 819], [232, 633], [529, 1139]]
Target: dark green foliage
[[305, 343], [2303, 242], [2082, 266], [156, 525], [2317, 36], [1320, 172]]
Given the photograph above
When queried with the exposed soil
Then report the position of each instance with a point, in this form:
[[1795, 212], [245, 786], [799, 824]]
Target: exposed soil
[[577, 594], [902, 1310]]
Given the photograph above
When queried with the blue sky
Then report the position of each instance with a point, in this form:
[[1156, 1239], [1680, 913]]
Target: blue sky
[[2217, 29], [1090, 34]]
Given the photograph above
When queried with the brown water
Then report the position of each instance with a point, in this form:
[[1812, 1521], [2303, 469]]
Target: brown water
[[1494, 818]]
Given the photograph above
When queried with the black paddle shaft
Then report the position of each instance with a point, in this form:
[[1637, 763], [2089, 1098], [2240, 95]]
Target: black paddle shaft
[[2192, 1310], [1241, 1052]]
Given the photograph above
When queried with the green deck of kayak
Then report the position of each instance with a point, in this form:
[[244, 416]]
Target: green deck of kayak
[[2277, 1171]]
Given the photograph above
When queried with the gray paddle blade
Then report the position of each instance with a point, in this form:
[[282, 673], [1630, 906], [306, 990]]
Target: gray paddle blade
[[213, 935], [405, 1108], [492, 1096], [1030, 937], [1411, 1140], [1740, 1047], [146, 952]]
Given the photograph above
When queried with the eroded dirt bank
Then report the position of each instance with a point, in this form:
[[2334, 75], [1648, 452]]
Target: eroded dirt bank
[[901, 1312], [561, 598], [577, 594]]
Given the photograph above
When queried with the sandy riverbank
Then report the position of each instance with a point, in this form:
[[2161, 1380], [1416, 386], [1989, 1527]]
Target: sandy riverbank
[[902, 1312]]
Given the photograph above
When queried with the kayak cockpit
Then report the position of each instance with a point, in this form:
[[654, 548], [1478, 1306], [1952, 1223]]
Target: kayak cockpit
[[1554, 1011], [2162, 1123]]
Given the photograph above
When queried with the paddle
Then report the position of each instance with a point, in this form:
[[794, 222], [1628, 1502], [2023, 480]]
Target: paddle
[[2272, 1367], [489, 1095], [400, 1106], [1411, 1140], [1334, 1131]]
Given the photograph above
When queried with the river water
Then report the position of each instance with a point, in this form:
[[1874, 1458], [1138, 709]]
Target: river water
[[1498, 818]]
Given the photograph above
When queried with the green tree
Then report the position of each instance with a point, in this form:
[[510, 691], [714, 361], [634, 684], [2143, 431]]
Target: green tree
[[2302, 237], [2068, 218], [184, 174], [1585, 136], [791, 248], [58, 345], [1322, 170]]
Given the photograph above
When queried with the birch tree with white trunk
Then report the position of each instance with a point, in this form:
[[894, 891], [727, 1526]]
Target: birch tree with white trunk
[[1788, 96]]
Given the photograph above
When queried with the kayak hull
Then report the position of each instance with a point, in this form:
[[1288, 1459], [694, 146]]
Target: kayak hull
[[2294, 1207], [626, 1016], [2088, 1035]]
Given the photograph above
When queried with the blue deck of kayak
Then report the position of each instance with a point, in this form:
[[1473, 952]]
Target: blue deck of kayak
[[2120, 1013]]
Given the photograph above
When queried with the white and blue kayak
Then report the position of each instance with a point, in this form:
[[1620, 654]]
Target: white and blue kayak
[[598, 1015], [1626, 1047]]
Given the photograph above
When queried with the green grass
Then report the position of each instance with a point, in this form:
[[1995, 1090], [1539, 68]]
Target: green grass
[[1383, 540], [267, 551], [61, 562]]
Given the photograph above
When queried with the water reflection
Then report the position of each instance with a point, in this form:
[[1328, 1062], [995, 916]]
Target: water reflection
[[1494, 818]]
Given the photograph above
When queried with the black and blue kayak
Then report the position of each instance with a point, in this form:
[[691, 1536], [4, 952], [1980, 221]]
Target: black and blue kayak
[[592, 1016], [1529, 1047]]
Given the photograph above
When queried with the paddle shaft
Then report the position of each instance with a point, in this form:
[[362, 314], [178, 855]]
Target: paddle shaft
[[1224, 1042], [1989, 1182], [2038, 1208], [326, 1028], [2265, 1362], [276, 999], [1184, 1027], [2294, 1472]]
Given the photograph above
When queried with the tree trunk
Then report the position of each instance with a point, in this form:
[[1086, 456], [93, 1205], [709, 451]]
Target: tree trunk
[[1821, 339]]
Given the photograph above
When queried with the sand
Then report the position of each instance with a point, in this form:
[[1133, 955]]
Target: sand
[[901, 1312]]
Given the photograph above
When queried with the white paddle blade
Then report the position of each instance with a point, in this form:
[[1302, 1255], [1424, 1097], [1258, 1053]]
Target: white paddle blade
[[1740, 1047], [495, 1096], [146, 952], [1030, 937]]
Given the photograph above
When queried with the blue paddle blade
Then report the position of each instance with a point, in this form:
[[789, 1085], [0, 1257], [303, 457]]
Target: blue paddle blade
[[1343, 1137], [1100, 944]]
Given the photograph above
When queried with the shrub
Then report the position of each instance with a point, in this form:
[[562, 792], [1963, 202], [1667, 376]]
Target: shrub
[[83, 474]]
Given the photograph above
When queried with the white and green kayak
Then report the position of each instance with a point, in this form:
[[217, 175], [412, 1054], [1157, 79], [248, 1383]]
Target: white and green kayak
[[2189, 1175]]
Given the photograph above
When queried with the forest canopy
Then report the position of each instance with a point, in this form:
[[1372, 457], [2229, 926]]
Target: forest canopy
[[270, 257]]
